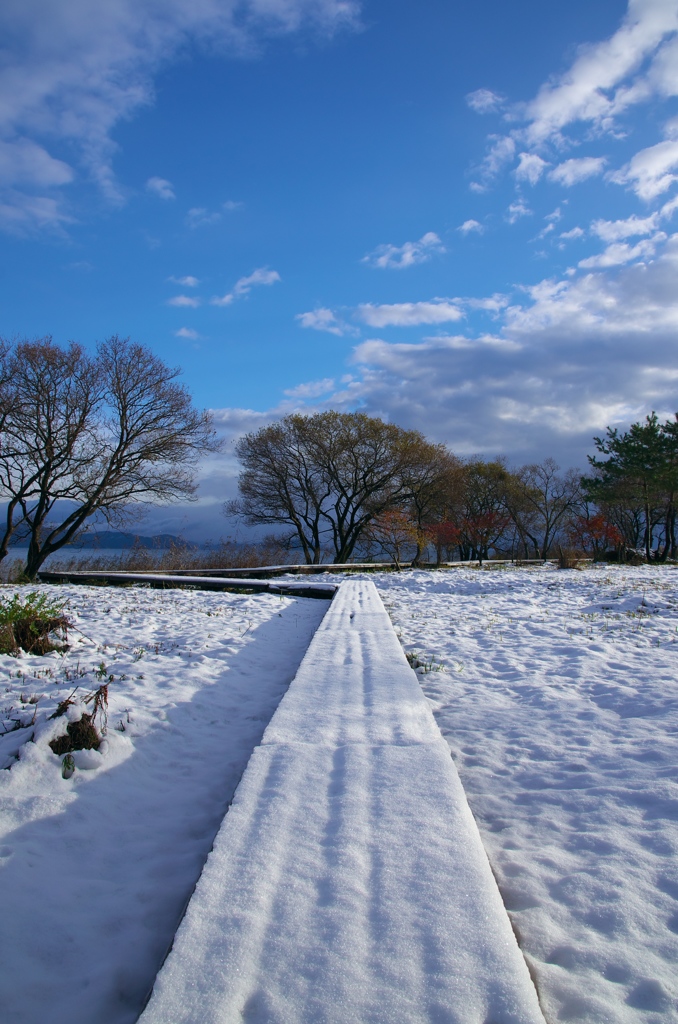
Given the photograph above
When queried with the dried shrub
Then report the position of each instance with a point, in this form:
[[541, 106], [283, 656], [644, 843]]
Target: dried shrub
[[568, 559], [81, 735], [227, 555], [33, 624]]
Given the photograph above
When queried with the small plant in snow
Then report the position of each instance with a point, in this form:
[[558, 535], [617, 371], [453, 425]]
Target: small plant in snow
[[426, 666], [82, 733], [31, 624]]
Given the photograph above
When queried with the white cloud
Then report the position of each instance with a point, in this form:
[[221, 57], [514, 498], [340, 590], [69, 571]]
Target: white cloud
[[260, 276], [243, 286], [637, 301], [322, 320], [456, 342], [484, 101], [200, 216], [23, 162], [409, 314], [492, 304], [572, 234], [501, 152], [22, 214], [231, 205], [187, 332], [470, 225], [312, 389], [71, 72], [636, 64], [599, 84], [160, 187], [648, 173], [398, 257], [581, 354], [187, 282], [516, 210], [615, 230], [530, 168], [668, 209], [188, 301], [621, 252], [571, 172]]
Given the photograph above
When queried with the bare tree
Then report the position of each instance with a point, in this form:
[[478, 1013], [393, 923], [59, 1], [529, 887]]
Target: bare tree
[[88, 435], [541, 501], [436, 483], [482, 516], [327, 476], [393, 532]]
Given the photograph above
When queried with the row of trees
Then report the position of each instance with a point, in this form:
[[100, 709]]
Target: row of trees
[[84, 435], [349, 484]]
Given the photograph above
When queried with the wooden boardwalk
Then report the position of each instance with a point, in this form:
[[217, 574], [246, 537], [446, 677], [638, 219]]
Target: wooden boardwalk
[[348, 883]]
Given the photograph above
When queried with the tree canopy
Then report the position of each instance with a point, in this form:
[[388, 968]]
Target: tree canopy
[[636, 484], [327, 476], [82, 434]]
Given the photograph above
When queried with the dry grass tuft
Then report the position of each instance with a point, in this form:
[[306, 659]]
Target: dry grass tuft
[[32, 623]]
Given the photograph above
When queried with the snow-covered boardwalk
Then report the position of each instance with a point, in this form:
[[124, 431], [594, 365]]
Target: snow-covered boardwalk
[[348, 882]]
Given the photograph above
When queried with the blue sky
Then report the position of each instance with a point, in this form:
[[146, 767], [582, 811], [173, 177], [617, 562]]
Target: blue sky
[[460, 217]]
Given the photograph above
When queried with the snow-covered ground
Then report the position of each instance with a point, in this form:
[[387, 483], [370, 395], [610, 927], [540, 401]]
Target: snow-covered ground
[[95, 870], [558, 694], [556, 691]]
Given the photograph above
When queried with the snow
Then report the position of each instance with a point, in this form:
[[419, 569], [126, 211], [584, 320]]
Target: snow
[[96, 870], [558, 695], [348, 881]]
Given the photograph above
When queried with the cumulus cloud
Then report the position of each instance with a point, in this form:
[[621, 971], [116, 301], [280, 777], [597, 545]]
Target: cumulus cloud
[[409, 314], [21, 214], [621, 252], [244, 285], [530, 168], [312, 389], [570, 359], [484, 101], [491, 304], [23, 162], [636, 64], [571, 172], [501, 152], [260, 276], [572, 234], [187, 332], [160, 187], [650, 172], [200, 217], [323, 319], [187, 282], [398, 257], [470, 225], [608, 77], [189, 301], [72, 73], [516, 210], [615, 230]]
